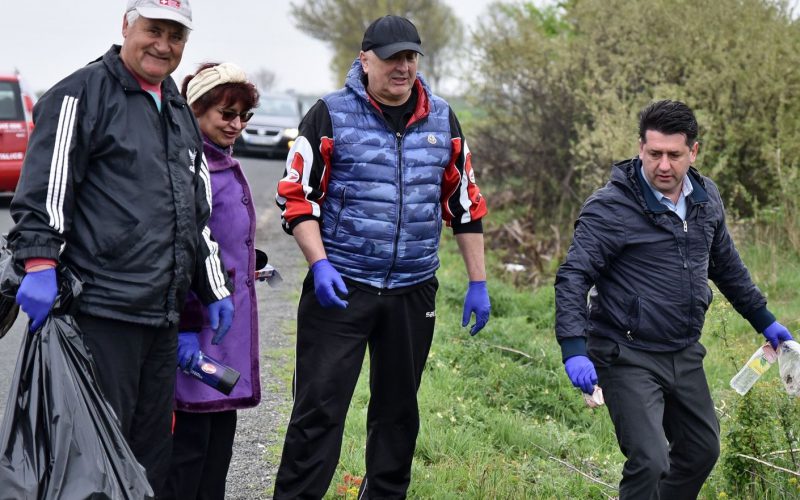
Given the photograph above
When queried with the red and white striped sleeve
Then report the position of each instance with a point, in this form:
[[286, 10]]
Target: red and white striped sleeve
[[305, 181], [463, 205]]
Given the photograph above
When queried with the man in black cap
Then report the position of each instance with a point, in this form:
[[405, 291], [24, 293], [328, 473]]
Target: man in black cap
[[376, 168]]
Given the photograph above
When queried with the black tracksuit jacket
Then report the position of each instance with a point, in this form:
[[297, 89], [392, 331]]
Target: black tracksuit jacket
[[119, 193]]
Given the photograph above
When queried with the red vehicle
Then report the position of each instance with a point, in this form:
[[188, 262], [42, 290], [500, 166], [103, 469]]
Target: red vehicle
[[16, 124]]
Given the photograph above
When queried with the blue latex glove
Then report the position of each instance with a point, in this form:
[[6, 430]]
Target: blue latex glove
[[36, 295], [220, 316], [776, 333], [188, 349], [581, 373], [328, 281], [476, 301]]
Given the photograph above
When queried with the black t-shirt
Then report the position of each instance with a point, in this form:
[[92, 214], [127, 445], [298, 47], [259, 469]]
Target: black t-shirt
[[398, 116], [317, 125]]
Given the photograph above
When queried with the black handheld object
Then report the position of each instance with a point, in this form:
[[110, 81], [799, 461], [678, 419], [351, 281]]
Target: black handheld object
[[264, 271], [214, 374], [261, 259]]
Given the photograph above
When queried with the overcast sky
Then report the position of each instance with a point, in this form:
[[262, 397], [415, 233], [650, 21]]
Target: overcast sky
[[48, 39]]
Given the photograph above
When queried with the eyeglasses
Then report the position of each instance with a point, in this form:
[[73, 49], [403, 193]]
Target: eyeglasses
[[229, 115]]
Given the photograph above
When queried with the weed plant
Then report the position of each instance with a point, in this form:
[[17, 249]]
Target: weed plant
[[500, 419]]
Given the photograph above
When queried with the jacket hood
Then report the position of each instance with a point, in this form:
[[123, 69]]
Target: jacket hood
[[218, 158]]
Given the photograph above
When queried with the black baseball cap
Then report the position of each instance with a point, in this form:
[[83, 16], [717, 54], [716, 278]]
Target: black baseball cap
[[388, 35]]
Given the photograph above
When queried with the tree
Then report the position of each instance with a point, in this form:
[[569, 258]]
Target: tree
[[564, 107], [341, 24], [264, 79]]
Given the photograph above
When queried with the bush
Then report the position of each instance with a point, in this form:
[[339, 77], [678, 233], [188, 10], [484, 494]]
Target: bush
[[564, 107], [764, 426]]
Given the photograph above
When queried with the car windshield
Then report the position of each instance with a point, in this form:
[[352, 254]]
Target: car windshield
[[276, 106], [10, 108]]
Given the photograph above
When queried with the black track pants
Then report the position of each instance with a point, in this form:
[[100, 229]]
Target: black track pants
[[663, 415], [330, 350], [136, 372], [202, 446]]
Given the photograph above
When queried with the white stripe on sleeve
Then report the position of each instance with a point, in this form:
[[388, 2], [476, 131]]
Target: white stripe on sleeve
[[206, 177], [216, 278], [59, 164], [303, 148], [463, 195]]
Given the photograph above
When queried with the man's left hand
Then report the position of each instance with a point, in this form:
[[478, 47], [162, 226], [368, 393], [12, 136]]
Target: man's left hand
[[776, 333], [476, 301], [188, 349], [220, 315]]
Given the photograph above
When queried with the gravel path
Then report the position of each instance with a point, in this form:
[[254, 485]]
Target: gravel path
[[259, 433], [260, 430]]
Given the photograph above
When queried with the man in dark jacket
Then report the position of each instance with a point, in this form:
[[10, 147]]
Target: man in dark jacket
[[114, 188], [377, 166], [646, 245]]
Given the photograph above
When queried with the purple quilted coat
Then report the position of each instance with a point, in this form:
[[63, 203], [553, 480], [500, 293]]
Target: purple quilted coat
[[233, 225]]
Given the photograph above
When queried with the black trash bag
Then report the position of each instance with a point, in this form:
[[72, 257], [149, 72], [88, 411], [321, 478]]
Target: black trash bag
[[59, 437], [8, 303]]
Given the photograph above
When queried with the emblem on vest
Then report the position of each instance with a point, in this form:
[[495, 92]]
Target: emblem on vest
[[192, 156], [431, 138]]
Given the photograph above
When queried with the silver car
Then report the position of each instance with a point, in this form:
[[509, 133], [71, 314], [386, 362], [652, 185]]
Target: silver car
[[272, 129]]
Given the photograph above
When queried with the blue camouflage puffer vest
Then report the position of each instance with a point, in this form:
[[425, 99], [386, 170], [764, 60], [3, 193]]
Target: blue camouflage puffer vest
[[382, 215]]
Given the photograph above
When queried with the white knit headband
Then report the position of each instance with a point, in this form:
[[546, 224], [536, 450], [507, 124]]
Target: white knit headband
[[211, 77]]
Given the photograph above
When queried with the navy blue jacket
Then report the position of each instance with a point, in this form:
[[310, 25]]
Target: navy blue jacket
[[649, 269]]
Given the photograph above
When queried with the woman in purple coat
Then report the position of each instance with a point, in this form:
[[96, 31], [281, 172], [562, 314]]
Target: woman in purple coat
[[221, 98]]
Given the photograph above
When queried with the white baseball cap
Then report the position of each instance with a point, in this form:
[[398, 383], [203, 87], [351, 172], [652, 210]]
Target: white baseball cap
[[172, 10]]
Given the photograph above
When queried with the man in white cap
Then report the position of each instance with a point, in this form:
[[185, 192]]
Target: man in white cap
[[114, 188]]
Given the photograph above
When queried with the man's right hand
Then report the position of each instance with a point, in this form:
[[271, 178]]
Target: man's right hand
[[36, 295], [188, 349], [328, 281], [581, 373]]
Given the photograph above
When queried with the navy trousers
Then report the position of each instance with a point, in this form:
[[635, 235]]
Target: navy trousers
[[663, 415]]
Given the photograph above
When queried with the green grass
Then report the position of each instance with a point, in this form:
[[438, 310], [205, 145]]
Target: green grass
[[499, 418]]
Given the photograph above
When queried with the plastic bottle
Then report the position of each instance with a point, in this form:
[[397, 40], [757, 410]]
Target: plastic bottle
[[213, 373], [756, 366], [789, 365]]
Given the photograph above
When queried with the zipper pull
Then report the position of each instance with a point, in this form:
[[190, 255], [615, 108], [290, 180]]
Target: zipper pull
[[628, 334], [685, 227], [682, 257]]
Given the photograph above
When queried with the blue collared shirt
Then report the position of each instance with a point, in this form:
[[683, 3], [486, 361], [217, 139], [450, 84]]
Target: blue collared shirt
[[680, 207]]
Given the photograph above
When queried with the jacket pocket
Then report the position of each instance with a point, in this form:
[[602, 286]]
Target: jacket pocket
[[122, 244], [634, 317]]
